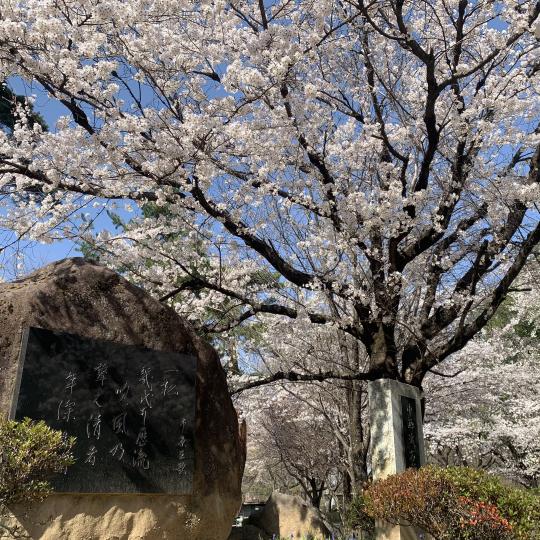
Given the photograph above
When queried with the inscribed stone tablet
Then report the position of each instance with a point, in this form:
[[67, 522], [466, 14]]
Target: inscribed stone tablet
[[131, 409], [411, 443]]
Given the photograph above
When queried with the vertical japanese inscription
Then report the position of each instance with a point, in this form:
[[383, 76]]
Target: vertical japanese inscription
[[132, 411], [411, 443]]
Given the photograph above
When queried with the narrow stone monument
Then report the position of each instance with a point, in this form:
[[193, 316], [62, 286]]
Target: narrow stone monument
[[397, 439], [159, 450]]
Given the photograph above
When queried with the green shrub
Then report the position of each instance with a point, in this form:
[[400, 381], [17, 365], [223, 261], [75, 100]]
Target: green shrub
[[520, 507], [421, 499], [455, 503], [357, 519], [29, 453]]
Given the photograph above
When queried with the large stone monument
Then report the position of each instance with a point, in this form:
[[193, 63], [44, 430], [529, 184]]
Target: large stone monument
[[160, 454], [397, 440]]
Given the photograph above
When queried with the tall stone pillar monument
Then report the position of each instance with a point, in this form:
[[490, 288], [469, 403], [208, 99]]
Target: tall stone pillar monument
[[397, 440]]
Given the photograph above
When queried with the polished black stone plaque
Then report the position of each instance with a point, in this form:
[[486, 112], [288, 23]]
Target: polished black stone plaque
[[131, 409], [411, 442]]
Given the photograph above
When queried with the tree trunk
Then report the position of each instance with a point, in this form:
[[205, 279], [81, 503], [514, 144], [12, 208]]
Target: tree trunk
[[356, 397], [347, 490], [315, 493]]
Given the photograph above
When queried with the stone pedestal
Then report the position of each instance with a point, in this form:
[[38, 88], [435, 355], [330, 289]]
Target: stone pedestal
[[397, 439]]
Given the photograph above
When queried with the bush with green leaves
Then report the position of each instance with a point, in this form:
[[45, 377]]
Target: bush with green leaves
[[356, 517], [455, 503], [30, 452], [521, 507]]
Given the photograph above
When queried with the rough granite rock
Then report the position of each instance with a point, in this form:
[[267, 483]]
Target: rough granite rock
[[289, 516], [83, 298]]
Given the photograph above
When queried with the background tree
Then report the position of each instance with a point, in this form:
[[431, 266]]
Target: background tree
[[295, 448], [338, 407], [12, 106], [487, 414]]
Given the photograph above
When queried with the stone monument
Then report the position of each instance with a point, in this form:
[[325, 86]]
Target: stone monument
[[160, 453], [397, 439], [289, 516]]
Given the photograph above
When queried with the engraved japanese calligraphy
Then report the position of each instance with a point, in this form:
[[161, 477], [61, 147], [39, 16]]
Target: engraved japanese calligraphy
[[131, 409], [411, 444]]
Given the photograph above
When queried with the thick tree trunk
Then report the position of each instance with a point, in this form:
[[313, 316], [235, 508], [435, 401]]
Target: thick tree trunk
[[383, 362], [347, 490], [358, 444], [315, 493]]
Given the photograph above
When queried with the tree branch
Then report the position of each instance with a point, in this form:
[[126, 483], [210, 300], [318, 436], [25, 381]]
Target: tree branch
[[294, 376]]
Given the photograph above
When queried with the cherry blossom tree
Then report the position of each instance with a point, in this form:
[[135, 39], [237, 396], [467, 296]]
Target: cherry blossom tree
[[372, 166], [293, 446], [487, 414], [329, 417]]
